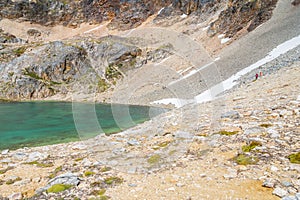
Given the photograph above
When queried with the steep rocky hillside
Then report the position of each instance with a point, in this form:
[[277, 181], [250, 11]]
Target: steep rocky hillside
[[37, 70]]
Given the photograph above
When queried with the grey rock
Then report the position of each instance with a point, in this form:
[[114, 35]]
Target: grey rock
[[5, 152], [253, 131], [297, 196], [67, 179], [19, 155], [183, 135], [79, 147], [280, 192], [7, 160], [15, 196], [133, 142], [273, 133], [289, 198], [132, 185], [286, 184], [34, 156], [231, 115], [295, 3], [270, 183]]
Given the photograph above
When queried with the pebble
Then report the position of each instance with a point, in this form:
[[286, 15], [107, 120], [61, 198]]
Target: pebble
[[280, 192], [231, 115], [5, 152], [133, 142], [270, 183], [15, 196]]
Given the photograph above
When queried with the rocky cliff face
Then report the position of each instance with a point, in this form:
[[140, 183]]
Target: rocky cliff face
[[84, 67], [31, 71], [129, 14], [240, 14]]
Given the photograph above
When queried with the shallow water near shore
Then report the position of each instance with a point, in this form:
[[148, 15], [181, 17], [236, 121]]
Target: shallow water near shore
[[27, 124]]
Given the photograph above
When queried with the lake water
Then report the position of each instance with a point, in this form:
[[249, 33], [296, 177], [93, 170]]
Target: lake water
[[43, 123]]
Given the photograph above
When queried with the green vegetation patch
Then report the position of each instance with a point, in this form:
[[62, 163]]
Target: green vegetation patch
[[111, 72], [89, 173], [266, 125], [3, 171], [58, 169], [243, 159], [295, 158], [154, 159], [98, 192], [38, 164], [113, 180], [102, 85], [19, 51], [58, 188], [105, 169], [12, 181], [228, 133], [252, 145], [31, 74]]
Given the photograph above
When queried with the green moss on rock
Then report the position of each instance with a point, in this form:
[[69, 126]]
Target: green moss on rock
[[38, 164], [154, 159], [243, 159], [89, 173], [252, 145], [266, 125], [58, 188], [113, 180], [228, 133], [295, 158]]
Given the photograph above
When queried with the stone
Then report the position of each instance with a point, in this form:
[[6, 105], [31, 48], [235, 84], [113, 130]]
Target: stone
[[289, 198], [273, 133], [5, 152], [231, 115], [253, 131], [66, 179], [15, 196], [280, 192], [269, 183], [231, 175], [79, 147], [273, 168], [19, 155], [286, 184], [133, 142], [297, 196], [183, 134], [35, 156], [295, 3]]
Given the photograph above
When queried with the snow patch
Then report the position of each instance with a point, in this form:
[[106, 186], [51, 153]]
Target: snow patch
[[160, 10], [229, 83], [183, 16], [224, 40], [205, 28], [93, 29], [221, 36]]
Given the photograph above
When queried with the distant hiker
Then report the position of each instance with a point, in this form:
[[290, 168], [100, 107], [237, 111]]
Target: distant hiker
[[256, 76], [260, 74]]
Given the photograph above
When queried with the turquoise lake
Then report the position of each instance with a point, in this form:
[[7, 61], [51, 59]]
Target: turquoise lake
[[27, 124]]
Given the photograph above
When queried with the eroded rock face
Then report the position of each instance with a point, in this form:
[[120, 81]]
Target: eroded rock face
[[59, 67], [239, 14]]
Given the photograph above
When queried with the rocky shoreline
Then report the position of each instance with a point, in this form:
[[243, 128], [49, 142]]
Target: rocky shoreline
[[250, 134]]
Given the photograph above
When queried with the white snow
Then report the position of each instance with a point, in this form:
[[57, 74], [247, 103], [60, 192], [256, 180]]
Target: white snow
[[93, 29], [183, 16], [221, 36], [224, 40], [160, 10], [298, 99], [178, 103], [229, 83], [205, 28]]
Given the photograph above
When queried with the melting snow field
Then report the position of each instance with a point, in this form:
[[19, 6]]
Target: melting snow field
[[229, 83]]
